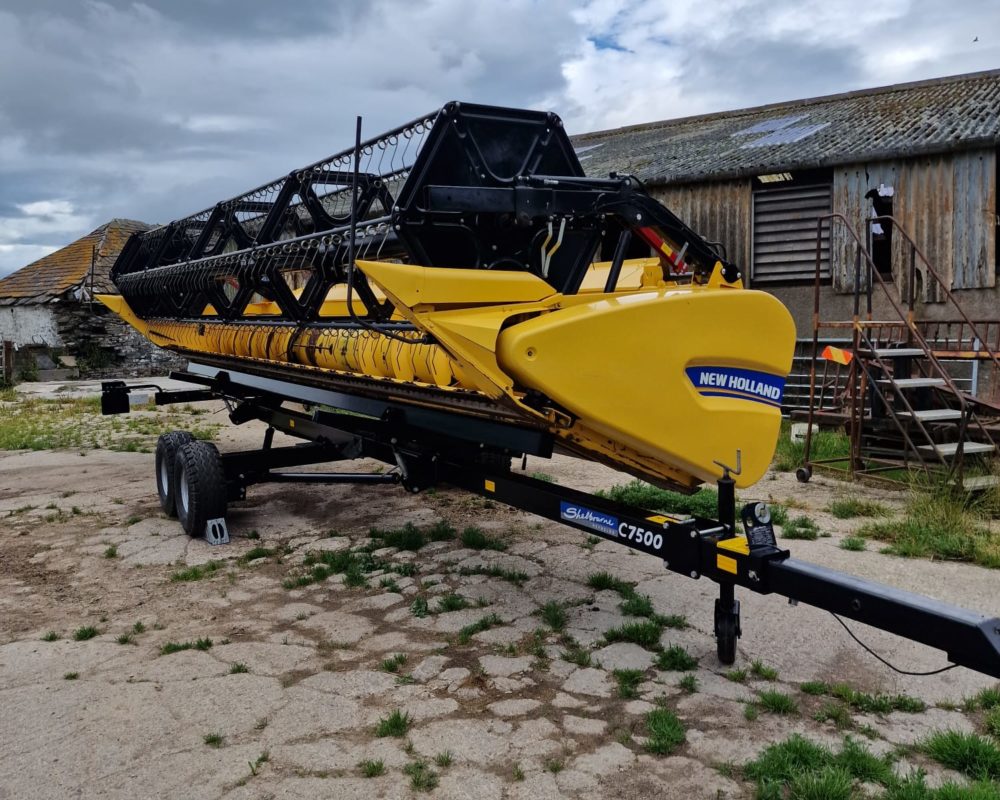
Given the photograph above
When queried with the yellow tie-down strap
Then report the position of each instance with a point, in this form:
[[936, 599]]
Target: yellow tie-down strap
[[737, 545]]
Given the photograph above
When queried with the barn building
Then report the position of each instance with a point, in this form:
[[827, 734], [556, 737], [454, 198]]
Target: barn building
[[758, 181], [52, 328]]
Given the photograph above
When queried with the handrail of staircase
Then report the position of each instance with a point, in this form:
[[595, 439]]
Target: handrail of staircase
[[930, 268], [908, 317]]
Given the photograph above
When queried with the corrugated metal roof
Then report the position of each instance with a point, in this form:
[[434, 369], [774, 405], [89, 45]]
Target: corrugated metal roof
[[51, 277], [935, 116]]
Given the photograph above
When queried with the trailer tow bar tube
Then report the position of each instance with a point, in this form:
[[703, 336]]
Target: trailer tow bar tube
[[698, 547]]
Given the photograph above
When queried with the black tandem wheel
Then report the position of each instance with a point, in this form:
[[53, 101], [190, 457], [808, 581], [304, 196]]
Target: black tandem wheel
[[166, 451], [199, 486]]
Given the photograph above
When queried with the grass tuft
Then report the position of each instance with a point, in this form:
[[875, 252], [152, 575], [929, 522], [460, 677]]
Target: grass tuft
[[800, 528], [760, 670], [968, 753], [254, 553], [689, 684], [837, 713], [51, 636], [111, 551], [703, 503], [419, 607], [477, 539], [645, 634], [815, 688], [409, 537], [482, 624], [575, 654], [877, 703], [85, 633], [422, 777], [938, 524], [213, 739], [849, 507], [637, 605], [451, 602], [197, 572], [396, 724], [394, 663], [628, 682], [853, 543], [605, 581], [676, 659], [372, 769], [790, 455], [775, 702], [736, 675], [554, 615], [238, 667], [666, 732]]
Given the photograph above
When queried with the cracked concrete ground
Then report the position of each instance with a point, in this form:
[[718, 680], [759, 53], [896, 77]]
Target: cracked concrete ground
[[294, 683]]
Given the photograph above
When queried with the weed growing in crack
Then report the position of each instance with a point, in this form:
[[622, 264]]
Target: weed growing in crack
[[197, 572], [396, 724], [628, 682], [394, 663], [760, 670], [372, 769], [775, 702], [451, 602], [675, 658], [422, 777], [554, 615], [482, 624], [666, 732]]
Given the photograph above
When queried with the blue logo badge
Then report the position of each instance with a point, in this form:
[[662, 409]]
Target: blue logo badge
[[588, 518], [739, 384]]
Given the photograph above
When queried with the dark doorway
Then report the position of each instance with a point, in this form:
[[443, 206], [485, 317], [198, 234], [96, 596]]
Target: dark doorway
[[880, 231]]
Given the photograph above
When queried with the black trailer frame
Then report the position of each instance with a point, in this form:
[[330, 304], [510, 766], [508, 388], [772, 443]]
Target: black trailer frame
[[428, 447]]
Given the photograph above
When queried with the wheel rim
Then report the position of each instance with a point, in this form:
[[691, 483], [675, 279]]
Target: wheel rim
[[164, 477], [183, 493]]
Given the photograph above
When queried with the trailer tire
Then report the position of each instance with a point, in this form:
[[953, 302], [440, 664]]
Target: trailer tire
[[725, 641], [199, 486], [166, 451]]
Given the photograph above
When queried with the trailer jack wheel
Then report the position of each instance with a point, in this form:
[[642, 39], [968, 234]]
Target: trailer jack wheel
[[200, 489], [166, 451], [803, 474], [727, 629]]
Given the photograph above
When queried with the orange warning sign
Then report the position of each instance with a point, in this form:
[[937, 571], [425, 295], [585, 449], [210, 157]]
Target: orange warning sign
[[837, 355]]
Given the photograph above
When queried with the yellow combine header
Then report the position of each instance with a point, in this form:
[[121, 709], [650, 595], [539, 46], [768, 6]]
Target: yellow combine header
[[456, 293]]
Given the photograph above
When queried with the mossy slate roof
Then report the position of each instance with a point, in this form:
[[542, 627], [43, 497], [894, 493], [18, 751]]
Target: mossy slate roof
[[56, 276], [960, 112]]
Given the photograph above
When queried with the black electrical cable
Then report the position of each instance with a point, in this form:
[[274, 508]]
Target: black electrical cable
[[890, 666], [351, 248]]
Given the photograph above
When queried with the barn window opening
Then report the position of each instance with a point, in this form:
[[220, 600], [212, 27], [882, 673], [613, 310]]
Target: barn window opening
[[880, 230]]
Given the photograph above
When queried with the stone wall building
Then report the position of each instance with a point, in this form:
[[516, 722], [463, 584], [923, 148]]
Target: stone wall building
[[55, 327]]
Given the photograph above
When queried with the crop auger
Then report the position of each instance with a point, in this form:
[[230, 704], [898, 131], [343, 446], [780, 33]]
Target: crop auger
[[456, 293]]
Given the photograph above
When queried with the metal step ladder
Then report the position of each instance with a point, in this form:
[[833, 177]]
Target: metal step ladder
[[902, 407]]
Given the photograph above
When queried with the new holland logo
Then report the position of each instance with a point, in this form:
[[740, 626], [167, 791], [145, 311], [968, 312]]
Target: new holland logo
[[739, 384], [588, 518]]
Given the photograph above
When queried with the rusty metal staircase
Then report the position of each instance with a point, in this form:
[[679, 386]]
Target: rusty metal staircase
[[902, 407]]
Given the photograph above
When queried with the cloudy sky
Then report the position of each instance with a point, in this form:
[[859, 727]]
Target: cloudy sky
[[152, 110]]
